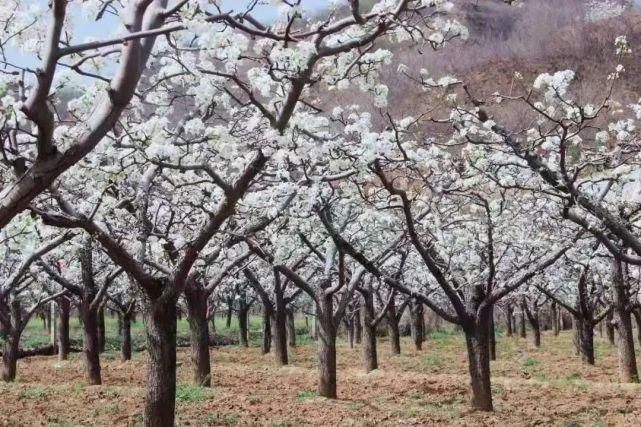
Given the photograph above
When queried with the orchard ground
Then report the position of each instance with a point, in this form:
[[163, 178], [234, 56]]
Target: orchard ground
[[546, 386]]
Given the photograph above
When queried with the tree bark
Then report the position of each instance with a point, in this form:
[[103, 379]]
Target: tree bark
[[326, 347], [10, 356], [609, 328], [267, 332], [417, 324], [91, 343], [279, 325], [392, 328], [627, 359], [160, 327], [509, 315], [586, 341], [243, 326], [291, 328], [63, 328], [522, 332], [349, 327], [230, 311], [555, 319], [358, 326], [479, 366], [102, 338], [637, 317], [196, 300], [125, 337], [370, 357], [535, 324], [492, 336]]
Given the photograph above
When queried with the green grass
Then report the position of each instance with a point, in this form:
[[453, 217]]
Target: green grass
[[35, 393], [190, 393], [35, 335], [306, 394], [218, 419]]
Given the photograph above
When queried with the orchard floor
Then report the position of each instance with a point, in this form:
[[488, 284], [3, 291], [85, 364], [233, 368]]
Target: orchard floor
[[546, 386]]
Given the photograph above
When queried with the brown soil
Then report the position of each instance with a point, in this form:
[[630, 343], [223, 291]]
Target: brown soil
[[546, 386]]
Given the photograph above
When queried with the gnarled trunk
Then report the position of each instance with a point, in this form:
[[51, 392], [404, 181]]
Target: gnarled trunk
[[509, 319], [392, 328], [358, 326], [291, 328], [63, 328], [370, 357], [196, 300], [586, 341], [125, 337], [627, 359], [417, 324], [267, 331], [10, 355], [90, 343], [492, 336], [243, 326], [279, 325], [637, 317], [230, 311], [160, 327], [478, 354], [102, 337], [326, 348], [349, 327], [609, 328]]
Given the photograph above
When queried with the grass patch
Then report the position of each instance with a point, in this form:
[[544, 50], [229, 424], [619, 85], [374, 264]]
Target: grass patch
[[306, 394], [34, 393], [218, 419], [530, 361], [190, 393]]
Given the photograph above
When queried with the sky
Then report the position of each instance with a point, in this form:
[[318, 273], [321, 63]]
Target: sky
[[85, 28]]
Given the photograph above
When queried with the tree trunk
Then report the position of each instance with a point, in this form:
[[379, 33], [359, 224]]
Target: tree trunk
[[63, 328], [243, 315], [586, 341], [230, 311], [125, 337], [160, 327], [637, 317], [609, 328], [327, 347], [392, 329], [478, 354], [627, 359], [536, 329], [102, 338], [279, 326], [91, 344], [291, 328], [196, 300], [370, 357], [349, 326], [555, 319], [358, 326], [417, 324], [267, 332], [10, 355], [492, 336], [509, 314], [522, 332]]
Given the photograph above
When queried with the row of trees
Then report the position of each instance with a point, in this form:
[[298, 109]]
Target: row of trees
[[205, 158]]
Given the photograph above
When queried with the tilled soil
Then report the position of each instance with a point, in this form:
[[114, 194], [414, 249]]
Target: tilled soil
[[546, 386]]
